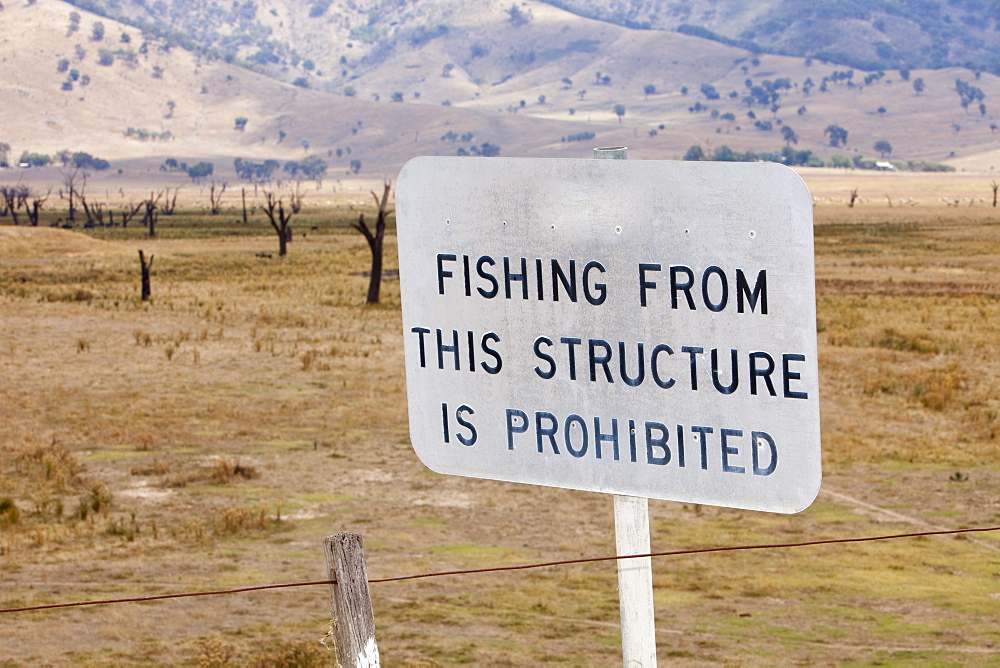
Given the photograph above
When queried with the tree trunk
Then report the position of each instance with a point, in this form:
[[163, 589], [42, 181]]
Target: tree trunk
[[376, 278], [283, 243], [145, 267]]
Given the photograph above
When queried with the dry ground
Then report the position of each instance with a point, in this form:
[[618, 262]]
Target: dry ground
[[212, 437]]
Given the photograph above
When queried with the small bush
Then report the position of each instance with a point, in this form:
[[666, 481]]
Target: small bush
[[10, 514]]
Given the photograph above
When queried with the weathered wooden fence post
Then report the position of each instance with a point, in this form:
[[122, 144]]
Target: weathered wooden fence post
[[353, 618]]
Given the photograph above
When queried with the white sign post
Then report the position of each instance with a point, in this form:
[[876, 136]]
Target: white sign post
[[640, 328]]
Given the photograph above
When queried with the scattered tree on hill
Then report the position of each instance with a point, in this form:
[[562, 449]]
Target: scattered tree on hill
[[517, 17], [200, 170], [918, 85], [280, 221], [620, 111], [240, 123], [788, 134], [649, 89], [884, 148], [74, 23], [312, 167], [968, 93], [97, 32], [695, 152], [34, 159], [355, 166], [708, 90], [4, 151], [374, 239], [255, 172], [83, 160], [836, 134]]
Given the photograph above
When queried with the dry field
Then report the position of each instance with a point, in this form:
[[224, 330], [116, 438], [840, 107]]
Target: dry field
[[212, 437]]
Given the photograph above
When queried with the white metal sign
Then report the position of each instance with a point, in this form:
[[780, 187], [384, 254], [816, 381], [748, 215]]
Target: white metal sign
[[645, 328]]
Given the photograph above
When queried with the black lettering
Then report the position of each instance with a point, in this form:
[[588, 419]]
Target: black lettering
[[601, 288], [788, 376], [637, 381], [643, 283], [600, 437], [442, 272], [693, 352], [480, 263], [549, 431], [681, 286], [657, 442], [494, 369], [764, 373], [473, 435], [420, 331], [661, 348], [758, 294], [764, 436], [517, 423], [544, 356], [725, 389], [728, 450], [509, 278], [569, 285], [571, 352], [599, 360], [715, 307], [567, 434]]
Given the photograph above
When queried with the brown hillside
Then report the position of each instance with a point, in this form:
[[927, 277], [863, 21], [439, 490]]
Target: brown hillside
[[515, 96]]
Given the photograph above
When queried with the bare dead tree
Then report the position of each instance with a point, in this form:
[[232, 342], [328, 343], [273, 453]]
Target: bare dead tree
[[94, 210], [34, 207], [243, 192], [129, 212], [146, 267], [295, 198], [74, 181], [215, 196], [854, 197], [995, 186], [279, 221], [9, 194], [152, 212], [169, 202], [375, 241]]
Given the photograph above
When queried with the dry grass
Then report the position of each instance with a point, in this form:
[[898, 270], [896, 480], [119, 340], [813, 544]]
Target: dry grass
[[282, 408]]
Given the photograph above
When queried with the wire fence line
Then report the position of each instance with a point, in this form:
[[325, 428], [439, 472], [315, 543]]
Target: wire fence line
[[502, 569]]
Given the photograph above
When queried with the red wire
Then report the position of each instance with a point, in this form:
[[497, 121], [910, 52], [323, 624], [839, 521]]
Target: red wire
[[497, 569]]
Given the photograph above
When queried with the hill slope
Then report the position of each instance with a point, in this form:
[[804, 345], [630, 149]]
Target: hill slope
[[448, 77], [882, 34]]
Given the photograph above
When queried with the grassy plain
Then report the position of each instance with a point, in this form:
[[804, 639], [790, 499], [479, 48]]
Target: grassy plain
[[212, 437]]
